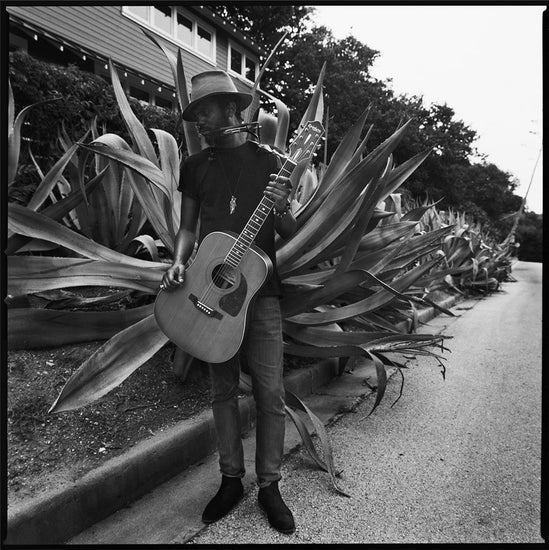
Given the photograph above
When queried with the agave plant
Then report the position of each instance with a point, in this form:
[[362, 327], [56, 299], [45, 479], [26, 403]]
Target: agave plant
[[328, 229], [342, 266], [35, 224], [93, 198], [474, 261]]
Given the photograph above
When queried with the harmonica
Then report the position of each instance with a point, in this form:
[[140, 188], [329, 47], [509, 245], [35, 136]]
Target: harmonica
[[246, 127]]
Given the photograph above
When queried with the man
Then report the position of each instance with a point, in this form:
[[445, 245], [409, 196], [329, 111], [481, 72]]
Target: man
[[221, 187]]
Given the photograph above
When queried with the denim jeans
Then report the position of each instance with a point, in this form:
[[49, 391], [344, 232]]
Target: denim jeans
[[263, 348]]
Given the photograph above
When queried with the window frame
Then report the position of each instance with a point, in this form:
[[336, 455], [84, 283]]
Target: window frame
[[245, 56], [196, 22]]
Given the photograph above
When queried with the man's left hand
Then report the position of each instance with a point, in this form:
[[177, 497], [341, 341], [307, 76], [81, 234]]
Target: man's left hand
[[278, 189]]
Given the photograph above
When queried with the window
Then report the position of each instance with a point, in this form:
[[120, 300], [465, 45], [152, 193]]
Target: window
[[138, 11], [250, 69], [141, 95], [236, 61], [181, 27], [164, 103], [162, 18], [204, 42], [18, 43], [184, 30], [241, 64]]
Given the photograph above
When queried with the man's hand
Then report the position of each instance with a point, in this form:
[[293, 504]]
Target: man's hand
[[278, 189], [174, 277]]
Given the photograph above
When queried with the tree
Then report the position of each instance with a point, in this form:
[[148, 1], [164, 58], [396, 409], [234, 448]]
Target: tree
[[530, 237], [265, 23]]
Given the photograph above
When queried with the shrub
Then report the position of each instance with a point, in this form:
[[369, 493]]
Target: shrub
[[84, 97], [530, 237]]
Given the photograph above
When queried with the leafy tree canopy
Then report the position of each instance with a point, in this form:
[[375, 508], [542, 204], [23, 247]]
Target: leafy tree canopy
[[265, 23]]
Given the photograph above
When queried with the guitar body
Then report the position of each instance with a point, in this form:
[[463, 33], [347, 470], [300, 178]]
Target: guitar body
[[207, 315]]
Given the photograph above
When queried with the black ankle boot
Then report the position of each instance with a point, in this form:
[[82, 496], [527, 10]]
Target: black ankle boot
[[225, 499], [278, 514]]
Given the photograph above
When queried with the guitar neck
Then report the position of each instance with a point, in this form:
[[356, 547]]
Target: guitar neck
[[256, 221]]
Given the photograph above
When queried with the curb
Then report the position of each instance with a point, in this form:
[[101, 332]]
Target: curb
[[60, 514]]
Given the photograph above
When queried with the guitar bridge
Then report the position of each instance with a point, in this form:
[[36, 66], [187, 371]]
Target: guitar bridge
[[204, 308]]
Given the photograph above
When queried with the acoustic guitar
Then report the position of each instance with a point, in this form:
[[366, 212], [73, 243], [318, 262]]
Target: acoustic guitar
[[207, 315]]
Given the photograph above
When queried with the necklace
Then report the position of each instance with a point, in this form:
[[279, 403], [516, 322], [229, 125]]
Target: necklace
[[232, 202]]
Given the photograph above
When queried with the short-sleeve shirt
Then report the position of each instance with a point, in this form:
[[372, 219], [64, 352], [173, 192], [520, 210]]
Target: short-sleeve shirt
[[214, 175]]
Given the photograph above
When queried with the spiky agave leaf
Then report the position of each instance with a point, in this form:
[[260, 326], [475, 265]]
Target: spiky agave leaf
[[374, 248], [111, 364], [135, 128], [371, 198], [315, 109], [292, 401], [169, 164], [283, 121], [24, 221], [149, 244], [349, 344], [250, 111], [136, 162], [31, 274], [337, 203], [15, 124], [334, 287], [26, 326], [62, 299], [50, 180], [176, 65], [389, 182], [140, 172], [339, 163], [113, 217], [56, 212], [371, 303]]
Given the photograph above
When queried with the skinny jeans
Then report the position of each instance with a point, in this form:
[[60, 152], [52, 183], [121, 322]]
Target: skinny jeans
[[263, 348]]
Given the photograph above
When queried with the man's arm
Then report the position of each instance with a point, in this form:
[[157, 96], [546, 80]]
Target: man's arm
[[278, 189], [286, 225], [184, 242]]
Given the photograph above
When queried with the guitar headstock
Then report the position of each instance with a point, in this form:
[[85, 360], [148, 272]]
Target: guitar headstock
[[306, 142]]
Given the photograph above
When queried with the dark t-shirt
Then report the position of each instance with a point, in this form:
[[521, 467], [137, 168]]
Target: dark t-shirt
[[212, 176]]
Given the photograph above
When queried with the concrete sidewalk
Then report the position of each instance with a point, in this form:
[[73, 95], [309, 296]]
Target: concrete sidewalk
[[175, 471]]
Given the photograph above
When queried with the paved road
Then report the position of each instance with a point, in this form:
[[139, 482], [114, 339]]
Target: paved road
[[454, 461]]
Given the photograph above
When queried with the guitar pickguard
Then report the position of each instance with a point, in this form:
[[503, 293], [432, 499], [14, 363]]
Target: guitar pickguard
[[232, 303]]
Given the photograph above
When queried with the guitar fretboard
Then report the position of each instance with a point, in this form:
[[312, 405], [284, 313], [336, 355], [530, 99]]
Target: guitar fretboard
[[256, 221]]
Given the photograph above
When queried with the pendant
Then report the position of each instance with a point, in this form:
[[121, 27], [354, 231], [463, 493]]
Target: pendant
[[232, 204]]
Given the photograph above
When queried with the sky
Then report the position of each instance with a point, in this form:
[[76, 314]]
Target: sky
[[485, 62]]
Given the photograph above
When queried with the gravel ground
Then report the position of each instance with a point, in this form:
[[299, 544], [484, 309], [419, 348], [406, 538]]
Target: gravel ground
[[455, 461]]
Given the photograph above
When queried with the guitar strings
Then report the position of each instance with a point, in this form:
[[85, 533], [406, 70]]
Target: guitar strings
[[222, 274]]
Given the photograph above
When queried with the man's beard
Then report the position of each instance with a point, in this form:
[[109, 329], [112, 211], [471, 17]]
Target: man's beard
[[212, 135]]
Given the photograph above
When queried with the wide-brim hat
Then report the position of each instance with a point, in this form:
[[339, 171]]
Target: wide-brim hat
[[213, 83]]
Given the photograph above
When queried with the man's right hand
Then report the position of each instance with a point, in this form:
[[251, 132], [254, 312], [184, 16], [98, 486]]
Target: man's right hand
[[174, 277]]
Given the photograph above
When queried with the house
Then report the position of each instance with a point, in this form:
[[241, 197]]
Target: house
[[90, 35]]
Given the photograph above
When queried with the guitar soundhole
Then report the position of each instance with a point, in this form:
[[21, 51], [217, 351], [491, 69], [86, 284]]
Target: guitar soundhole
[[224, 276]]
